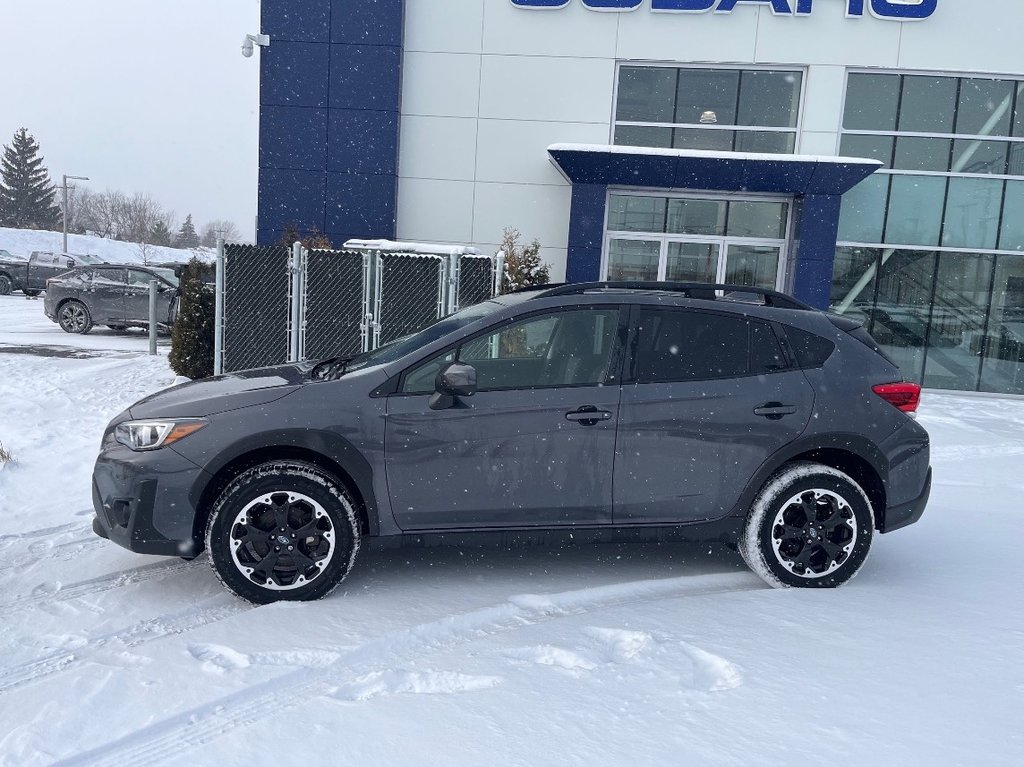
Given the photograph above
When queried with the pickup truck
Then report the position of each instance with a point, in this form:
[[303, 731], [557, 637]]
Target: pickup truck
[[30, 276]]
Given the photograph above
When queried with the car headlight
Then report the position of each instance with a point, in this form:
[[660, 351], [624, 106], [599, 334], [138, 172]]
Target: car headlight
[[152, 435]]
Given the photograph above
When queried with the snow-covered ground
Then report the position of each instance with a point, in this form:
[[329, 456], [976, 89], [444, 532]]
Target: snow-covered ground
[[595, 655], [21, 243]]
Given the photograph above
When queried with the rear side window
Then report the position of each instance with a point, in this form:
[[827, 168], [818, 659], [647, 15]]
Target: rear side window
[[679, 345], [811, 351]]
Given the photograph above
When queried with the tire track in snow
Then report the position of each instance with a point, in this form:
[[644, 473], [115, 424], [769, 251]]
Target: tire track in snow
[[172, 737], [76, 527], [97, 585], [141, 633], [29, 558]]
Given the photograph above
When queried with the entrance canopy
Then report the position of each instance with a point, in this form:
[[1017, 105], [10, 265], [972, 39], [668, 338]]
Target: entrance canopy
[[816, 184]]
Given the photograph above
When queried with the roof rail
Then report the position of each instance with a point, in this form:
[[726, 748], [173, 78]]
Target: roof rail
[[698, 290]]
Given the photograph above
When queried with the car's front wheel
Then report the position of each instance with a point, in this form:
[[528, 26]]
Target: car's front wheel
[[74, 317], [283, 530], [811, 527]]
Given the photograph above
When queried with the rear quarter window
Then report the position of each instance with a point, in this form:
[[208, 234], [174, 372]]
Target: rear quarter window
[[812, 351]]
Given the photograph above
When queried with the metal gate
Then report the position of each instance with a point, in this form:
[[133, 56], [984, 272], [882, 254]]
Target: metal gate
[[276, 305], [255, 300]]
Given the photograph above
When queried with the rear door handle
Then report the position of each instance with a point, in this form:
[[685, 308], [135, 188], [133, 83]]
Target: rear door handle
[[588, 415], [774, 411]]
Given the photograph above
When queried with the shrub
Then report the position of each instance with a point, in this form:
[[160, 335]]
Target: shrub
[[193, 333], [523, 265]]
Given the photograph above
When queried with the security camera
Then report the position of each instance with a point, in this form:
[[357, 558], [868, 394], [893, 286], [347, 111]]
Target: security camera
[[251, 40]]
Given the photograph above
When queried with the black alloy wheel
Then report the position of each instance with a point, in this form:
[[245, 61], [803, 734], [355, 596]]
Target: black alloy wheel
[[283, 531]]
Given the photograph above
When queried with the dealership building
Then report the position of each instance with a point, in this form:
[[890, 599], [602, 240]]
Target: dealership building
[[864, 155]]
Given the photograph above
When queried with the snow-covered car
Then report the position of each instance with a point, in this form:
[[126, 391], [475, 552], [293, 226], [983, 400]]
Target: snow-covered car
[[110, 294], [592, 411]]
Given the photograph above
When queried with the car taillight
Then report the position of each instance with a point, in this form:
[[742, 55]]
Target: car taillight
[[902, 396]]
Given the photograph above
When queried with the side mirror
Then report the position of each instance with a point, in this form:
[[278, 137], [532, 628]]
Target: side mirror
[[456, 380]]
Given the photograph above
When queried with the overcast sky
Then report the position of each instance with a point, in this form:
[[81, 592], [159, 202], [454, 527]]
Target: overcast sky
[[139, 95]]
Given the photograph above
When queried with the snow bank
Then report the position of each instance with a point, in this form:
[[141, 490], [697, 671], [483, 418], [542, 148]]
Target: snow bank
[[21, 243]]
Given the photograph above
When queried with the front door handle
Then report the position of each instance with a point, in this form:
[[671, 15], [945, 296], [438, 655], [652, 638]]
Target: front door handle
[[774, 411], [588, 415]]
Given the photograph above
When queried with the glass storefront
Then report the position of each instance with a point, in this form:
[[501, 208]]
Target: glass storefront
[[695, 239], [748, 110], [931, 250]]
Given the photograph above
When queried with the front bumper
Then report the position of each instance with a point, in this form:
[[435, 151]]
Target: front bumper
[[142, 502]]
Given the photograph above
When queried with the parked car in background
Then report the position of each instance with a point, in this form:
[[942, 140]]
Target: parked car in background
[[30, 276], [112, 295], [740, 416]]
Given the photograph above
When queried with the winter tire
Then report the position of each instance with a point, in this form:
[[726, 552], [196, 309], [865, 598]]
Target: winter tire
[[74, 317], [283, 530], [31, 293], [810, 527], [6, 286]]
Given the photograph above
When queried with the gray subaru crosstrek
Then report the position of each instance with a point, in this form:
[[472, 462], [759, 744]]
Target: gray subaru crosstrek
[[602, 410]]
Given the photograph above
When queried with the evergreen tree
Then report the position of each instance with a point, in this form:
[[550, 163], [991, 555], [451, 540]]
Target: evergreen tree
[[523, 265], [187, 236], [192, 336], [26, 192], [161, 234]]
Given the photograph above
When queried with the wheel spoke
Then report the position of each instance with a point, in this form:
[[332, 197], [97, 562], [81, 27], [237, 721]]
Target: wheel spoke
[[790, 532], [266, 566], [302, 561]]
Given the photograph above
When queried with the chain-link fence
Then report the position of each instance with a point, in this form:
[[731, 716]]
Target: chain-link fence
[[410, 295], [256, 306], [279, 304], [333, 320]]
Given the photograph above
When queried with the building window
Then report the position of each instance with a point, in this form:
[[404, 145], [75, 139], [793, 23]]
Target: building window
[[931, 252], [743, 110], [696, 239]]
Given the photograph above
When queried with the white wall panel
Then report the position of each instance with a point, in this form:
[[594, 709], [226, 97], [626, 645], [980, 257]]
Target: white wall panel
[[688, 37], [827, 37], [540, 212], [516, 150], [978, 36], [824, 95], [441, 84], [435, 211], [572, 31], [451, 26], [438, 147], [547, 89]]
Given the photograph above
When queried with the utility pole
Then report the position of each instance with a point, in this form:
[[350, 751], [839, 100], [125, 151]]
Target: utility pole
[[65, 212]]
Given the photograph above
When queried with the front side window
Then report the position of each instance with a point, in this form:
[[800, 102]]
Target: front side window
[[680, 346], [108, 278], [749, 110], [569, 348]]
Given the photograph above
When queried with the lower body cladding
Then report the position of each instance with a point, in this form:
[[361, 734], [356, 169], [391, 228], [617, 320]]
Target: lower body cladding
[[142, 501]]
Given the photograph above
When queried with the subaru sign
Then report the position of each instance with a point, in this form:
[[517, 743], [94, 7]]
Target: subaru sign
[[894, 10]]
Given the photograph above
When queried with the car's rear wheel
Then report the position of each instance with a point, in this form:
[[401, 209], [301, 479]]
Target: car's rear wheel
[[74, 317], [6, 286], [31, 293], [283, 530], [810, 527]]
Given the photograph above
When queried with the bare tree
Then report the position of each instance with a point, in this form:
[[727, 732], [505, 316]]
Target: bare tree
[[219, 228]]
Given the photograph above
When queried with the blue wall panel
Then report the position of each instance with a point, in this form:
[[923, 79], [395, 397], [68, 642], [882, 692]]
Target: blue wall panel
[[305, 20], [293, 137], [368, 22], [342, 58], [361, 141], [295, 74], [366, 77]]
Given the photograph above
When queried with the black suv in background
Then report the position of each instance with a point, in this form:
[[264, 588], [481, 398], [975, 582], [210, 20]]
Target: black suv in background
[[110, 294], [701, 412]]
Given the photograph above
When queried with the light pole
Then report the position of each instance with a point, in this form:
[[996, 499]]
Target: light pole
[[65, 216]]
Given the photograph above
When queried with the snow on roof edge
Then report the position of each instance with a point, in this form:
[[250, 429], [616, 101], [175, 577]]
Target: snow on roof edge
[[413, 248], [710, 155]]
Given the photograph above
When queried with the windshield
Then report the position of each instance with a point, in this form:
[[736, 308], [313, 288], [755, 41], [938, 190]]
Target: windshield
[[402, 346], [167, 274]]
